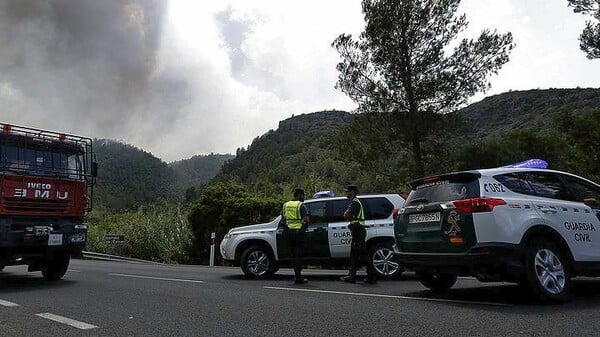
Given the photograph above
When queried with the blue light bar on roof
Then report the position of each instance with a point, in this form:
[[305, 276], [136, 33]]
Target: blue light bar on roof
[[531, 163], [323, 194]]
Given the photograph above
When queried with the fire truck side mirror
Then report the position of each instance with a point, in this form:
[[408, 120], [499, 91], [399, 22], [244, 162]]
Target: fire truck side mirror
[[94, 169]]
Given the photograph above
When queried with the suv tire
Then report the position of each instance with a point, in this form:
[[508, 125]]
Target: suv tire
[[258, 263], [439, 283], [547, 271], [384, 262], [57, 268]]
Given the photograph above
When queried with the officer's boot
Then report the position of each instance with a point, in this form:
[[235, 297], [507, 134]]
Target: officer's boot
[[348, 279], [298, 279], [371, 279], [351, 277]]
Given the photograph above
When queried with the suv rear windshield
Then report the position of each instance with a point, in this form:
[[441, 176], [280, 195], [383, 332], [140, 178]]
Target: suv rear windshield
[[445, 188]]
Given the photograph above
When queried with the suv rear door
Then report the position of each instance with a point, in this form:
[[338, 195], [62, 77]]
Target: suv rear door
[[378, 215], [430, 221]]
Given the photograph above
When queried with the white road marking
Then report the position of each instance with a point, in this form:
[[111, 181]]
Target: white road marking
[[8, 304], [67, 321], [74, 271], [443, 300], [157, 278]]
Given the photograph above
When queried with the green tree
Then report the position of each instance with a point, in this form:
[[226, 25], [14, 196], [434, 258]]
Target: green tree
[[401, 64], [510, 148], [582, 134], [590, 37], [223, 204]]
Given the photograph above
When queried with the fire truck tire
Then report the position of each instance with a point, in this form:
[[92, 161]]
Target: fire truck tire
[[56, 268]]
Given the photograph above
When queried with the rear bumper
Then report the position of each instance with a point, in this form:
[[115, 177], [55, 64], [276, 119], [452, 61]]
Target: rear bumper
[[485, 258]]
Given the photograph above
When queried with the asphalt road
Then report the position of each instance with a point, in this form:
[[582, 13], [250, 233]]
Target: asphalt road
[[98, 298]]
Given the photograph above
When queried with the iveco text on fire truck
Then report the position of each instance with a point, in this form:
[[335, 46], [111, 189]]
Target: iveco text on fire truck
[[46, 182]]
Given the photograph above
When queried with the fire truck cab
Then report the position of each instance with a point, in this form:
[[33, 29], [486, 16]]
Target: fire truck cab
[[46, 184]]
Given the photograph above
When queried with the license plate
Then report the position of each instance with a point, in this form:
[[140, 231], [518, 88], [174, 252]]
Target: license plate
[[424, 217], [55, 239]]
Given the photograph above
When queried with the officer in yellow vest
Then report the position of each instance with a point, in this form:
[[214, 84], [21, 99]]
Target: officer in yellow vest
[[355, 214], [295, 218]]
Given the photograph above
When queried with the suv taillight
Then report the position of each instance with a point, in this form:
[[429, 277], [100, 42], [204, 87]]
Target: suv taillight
[[395, 214], [476, 205]]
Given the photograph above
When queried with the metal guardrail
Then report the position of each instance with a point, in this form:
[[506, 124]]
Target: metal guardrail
[[108, 257]]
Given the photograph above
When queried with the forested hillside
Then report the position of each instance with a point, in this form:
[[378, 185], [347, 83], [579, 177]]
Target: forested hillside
[[531, 109], [198, 169], [309, 150], [299, 153], [129, 177]]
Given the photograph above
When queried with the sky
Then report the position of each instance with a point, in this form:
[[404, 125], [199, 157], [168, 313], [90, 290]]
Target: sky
[[180, 78]]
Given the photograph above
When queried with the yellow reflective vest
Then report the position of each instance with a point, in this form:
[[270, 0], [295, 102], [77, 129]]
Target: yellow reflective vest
[[361, 214], [291, 212]]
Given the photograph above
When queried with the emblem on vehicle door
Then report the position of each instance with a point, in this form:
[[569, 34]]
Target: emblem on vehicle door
[[453, 219]]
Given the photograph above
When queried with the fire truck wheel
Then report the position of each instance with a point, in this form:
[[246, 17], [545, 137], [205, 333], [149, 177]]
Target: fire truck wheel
[[56, 268]]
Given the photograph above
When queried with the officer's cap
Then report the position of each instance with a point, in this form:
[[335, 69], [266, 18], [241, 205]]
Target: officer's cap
[[351, 188]]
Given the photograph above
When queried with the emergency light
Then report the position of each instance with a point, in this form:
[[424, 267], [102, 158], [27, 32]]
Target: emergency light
[[323, 194], [531, 163]]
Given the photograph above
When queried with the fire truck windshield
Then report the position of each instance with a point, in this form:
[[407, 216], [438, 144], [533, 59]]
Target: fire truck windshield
[[42, 161]]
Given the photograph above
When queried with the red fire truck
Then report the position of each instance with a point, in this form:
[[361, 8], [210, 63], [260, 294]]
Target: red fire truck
[[46, 184]]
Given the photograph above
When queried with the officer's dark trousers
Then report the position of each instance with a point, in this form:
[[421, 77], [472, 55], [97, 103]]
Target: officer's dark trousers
[[296, 246], [359, 253]]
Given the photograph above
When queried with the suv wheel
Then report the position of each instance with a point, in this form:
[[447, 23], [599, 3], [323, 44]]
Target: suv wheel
[[57, 268], [257, 263], [439, 283], [547, 271], [382, 257]]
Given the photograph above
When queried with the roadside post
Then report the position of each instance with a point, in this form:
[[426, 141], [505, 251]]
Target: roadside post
[[213, 235]]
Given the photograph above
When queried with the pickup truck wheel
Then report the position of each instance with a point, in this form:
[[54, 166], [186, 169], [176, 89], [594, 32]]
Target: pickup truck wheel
[[382, 257], [56, 268], [439, 283], [258, 263], [547, 271]]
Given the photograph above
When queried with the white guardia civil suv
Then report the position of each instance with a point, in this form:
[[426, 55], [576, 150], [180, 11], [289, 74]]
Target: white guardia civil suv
[[261, 249], [533, 226]]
